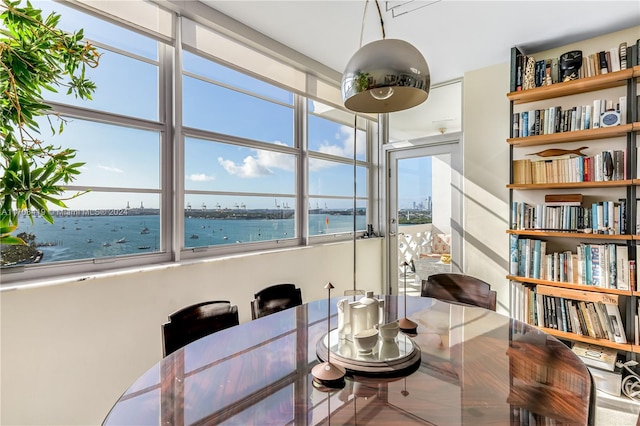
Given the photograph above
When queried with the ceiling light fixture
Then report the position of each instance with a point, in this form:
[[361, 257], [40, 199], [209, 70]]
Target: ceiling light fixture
[[384, 76]]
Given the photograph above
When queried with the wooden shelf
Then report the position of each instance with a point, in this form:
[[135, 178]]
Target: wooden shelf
[[586, 339], [569, 185], [575, 136], [569, 234], [570, 285], [582, 85]]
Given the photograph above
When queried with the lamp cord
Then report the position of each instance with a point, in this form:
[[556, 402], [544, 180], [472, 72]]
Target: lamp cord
[[364, 14], [355, 227], [381, 21]]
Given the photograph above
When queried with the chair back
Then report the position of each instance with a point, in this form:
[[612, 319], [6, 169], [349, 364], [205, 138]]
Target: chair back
[[459, 288], [274, 299], [196, 321]]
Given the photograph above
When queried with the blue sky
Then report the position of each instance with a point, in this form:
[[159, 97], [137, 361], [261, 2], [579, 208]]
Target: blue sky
[[129, 158]]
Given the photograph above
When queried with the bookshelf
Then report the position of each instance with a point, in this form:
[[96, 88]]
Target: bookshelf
[[618, 85]]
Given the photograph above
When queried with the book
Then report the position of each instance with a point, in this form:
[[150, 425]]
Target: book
[[568, 199], [622, 52], [622, 266], [516, 70], [602, 62], [595, 355], [597, 105], [513, 254], [613, 312]]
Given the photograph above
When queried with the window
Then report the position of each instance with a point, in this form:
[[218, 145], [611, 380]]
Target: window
[[331, 171], [242, 190], [262, 206], [237, 152], [119, 137]]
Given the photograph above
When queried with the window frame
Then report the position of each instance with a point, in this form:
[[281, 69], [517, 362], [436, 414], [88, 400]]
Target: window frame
[[172, 189]]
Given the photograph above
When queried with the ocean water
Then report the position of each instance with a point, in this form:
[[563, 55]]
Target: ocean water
[[86, 237]]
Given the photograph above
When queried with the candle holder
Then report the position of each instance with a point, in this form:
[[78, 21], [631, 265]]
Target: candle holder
[[406, 325], [327, 374]]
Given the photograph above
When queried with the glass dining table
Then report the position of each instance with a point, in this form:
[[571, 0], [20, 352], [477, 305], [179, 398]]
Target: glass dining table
[[474, 367]]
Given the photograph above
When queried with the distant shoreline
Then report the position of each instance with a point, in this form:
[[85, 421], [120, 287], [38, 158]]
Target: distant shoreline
[[224, 214]]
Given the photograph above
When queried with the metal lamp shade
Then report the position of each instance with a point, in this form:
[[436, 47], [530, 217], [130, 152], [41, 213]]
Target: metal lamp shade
[[385, 76]]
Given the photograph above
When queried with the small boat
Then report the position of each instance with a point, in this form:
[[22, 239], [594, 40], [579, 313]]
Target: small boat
[[145, 230], [194, 236], [89, 240], [121, 240], [144, 247], [225, 237], [106, 244]]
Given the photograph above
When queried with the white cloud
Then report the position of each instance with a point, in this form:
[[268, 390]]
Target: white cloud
[[200, 177], [344, 145], [110, 169], [263, 163]]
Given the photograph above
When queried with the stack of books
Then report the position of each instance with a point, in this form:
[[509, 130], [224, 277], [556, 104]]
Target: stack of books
[[601, 362]]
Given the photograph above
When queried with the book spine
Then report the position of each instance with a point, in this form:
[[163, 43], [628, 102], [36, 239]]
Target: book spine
[[596, 113], [622, 52], [602, 61], [513, 259], [622, 265]]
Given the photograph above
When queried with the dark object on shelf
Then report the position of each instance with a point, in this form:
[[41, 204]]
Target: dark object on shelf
[[607, 165], [570, 63], [196, 321], [553, 152], [459, 288], [274, 299]]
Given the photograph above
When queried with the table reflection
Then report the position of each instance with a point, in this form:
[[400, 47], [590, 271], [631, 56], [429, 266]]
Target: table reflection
[[475, 367]]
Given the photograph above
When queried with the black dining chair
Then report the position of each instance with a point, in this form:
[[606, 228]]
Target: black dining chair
[[274, 299], [196, 321], [459, 288]]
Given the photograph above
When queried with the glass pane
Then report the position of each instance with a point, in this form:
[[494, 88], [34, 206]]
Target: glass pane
[[124, 86], [216, 166], [332, 178], [101, 31], [216, 72], [336, 216], [424, 215], [333, 138], [218, 109], [96, 225], [115, 156], [214, 220]]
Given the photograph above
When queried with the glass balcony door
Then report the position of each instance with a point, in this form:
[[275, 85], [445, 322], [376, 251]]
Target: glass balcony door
[[423, 213]]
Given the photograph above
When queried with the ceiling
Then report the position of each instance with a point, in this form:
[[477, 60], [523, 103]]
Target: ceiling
[[454, 36]]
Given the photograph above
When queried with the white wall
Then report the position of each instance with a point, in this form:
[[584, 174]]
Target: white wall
[[68, 351], [441, 192], [485, 176]]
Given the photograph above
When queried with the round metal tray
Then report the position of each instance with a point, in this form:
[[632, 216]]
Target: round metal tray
[[387, 358]]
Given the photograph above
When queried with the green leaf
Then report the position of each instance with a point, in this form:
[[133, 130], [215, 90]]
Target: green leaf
[[10, 240]]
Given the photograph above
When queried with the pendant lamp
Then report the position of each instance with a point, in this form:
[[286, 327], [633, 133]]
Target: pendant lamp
[[383, 76]]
